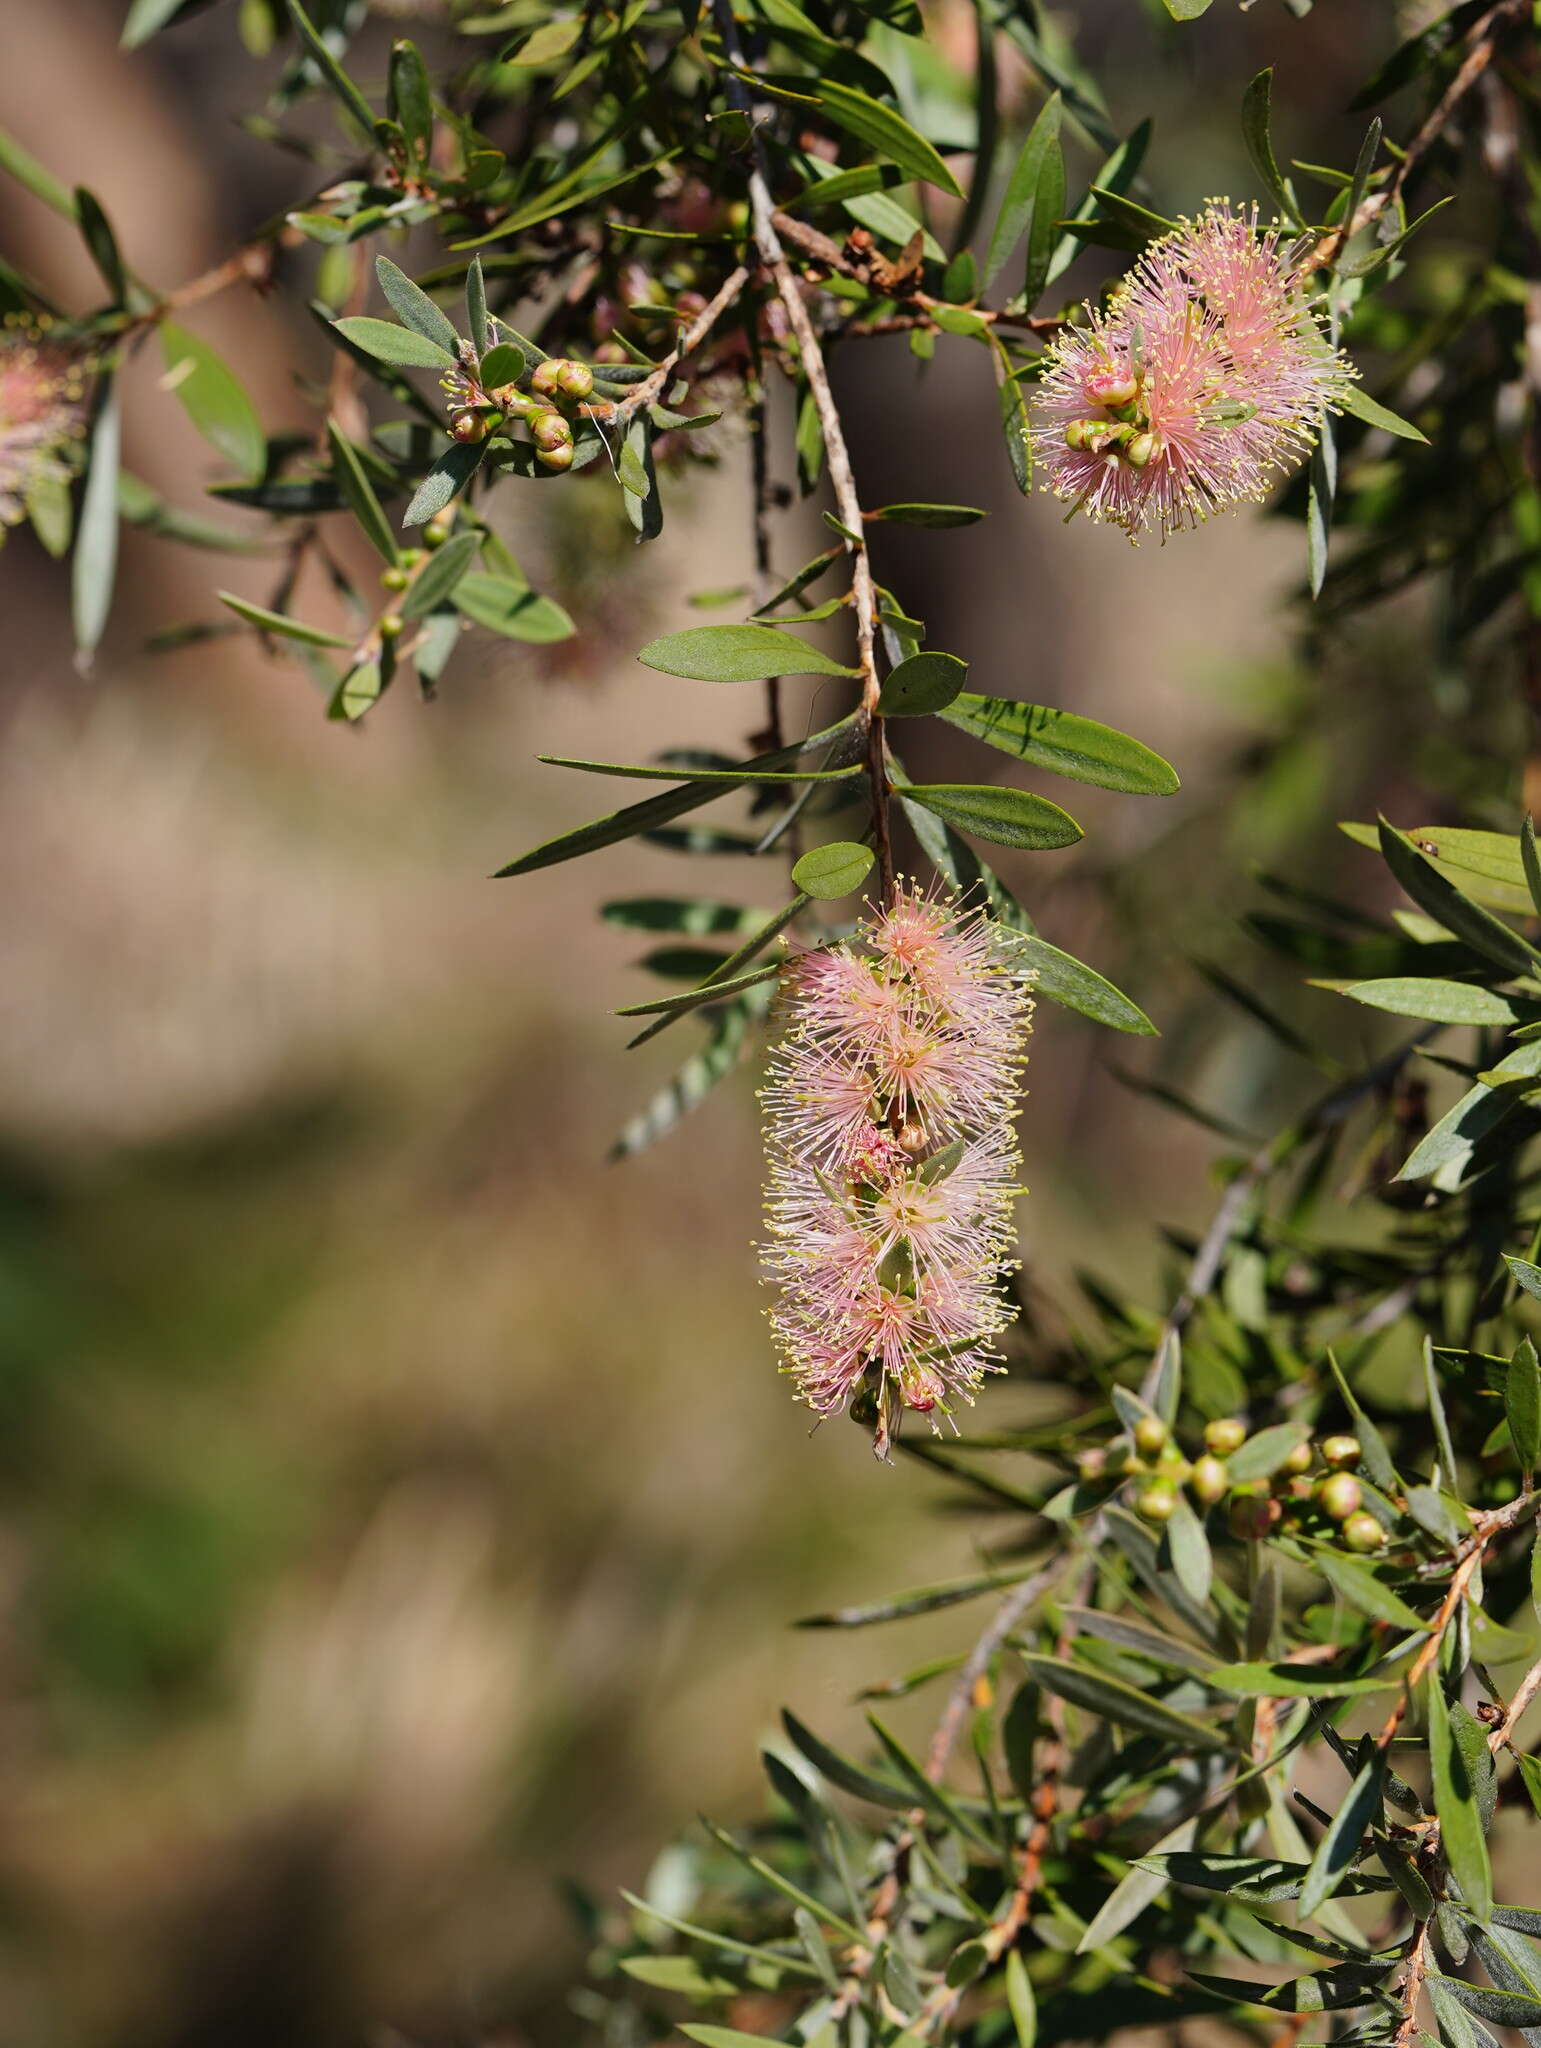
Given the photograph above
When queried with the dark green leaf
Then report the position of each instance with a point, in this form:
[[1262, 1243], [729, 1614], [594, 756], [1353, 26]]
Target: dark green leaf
[[1498, 2008], [341, 84], [437, 578], [861, 1784], [728, 1028], [886, 131], [358, 692], [833, 870], [1259, 1880], [928, 515], [924, 1600], [1365, 1589], [101, 241], [1522, 1404], [1009, 817], [393, 344], [1265, 1451], [1325, 1991], [737, 654], [1033, 202], [1110, 1699], [502, 365], [1255, 130], [444, 482], [1021, 2002], [1300, 1681], [413, 307], [281, 623], [695, 998], [1339, 1847], [1349, 398], [922, 684], [409, 98], [1064, 742], [1455, 1803], [1069, 982], [359, 492]]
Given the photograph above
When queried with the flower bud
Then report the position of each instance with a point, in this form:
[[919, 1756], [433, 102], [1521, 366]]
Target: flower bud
[[1362, 1532], [555, 458], [1299, 1460], [1156, 1501], [1254, 1514], [1116, 388], [410, 557], [436, 533], [1140, 450], [511, 399], [1340, 1451], [1209, 1479], [392, 626], [394, 579], [471, 426], [1075, 435], [1150, 1436], [1133, 1466], [575, 380], [913, 1140], [1092, 1463], [1225, 1437], [1340, 1495], [548, 430], [1298, 1486]]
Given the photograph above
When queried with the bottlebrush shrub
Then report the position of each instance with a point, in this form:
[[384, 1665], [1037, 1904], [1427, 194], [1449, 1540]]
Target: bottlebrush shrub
[[1236, 1738]]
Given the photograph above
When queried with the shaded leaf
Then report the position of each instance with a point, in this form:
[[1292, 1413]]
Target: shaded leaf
[[1010, 817], [1110, 1699], [737, 654], [922, 684], [1065, 743]]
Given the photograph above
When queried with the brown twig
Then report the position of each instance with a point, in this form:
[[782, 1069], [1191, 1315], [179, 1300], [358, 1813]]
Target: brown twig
[[615, 410], [1412, 1985]]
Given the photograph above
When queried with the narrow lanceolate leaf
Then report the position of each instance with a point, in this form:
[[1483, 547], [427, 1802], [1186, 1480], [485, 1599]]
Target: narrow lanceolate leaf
[[929, 515], [412, 305], [1514, 1964], [1033, 203], [1294, 1681], [1071, 983], [214, 400], [393, 344], [1530, 861], [1337, 1990], [359, 492], [656, 772], [694, 998], [1499, 2008], [1455, 1802], [1188, 1548], [1138, 1888], [1065, 743], [737, 654], [1265, 1451], [99, 238], [512, 609], [1522, 1404], [833, 870], [448, 477], [438, 577], [1009, 817], [1440, 1002], [1021, 2002], [1110, 1699], [656, 810], [1527, 1275], [1259, 1880], [1352, 400], [1365, 1589], [281, 623], [1338, 1849], [886, 131], [93, 569], [728, 1030], [922, 684], [1432, 890], [840, 1771], [347, 93], [1255, 128]]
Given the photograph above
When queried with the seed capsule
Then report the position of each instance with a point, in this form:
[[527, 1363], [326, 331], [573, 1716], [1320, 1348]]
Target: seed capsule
[[1341, 1495], [1340, 1451], [1362, 1532], [1226, 1436]]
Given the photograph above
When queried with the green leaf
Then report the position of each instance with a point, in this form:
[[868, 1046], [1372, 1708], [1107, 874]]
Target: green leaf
[[409, 97], [1065, 743], [1255, 131], [341, 84], [1033, 203], [662, 772], [737, 654], [1257, 1880], [1455, 1803], [553, 39], [1435, 1515], [1527, 1275], [1440, 1002], [359, 492], [146, 18], [358, 692], [1074, 986], [93, 567], [775, 1879], [477, 325], [682, 1974], [502, 365], [1323, 1991], [512, 609], [728, 1028], [1432, 890], [1140, 1887], [1020, 2001], [1016, 429], [936, 516], [1522, 1404], [35, 177], [922, 684], [1297, 1682], [1447, 1150], [102, 243], [1338, 1849], [1498, 2008], [1530, 861], [840, 1771], [413, 307], [694, 998], [887, 132], [437, 578], [836, 869], [1110, 1699], [1349, 398], [1188, 10], [923, 1794], [1365, 1589], [393, 344], [924, 1600], [281, 623], [1009, 817], [1265, 1451], [1188, 1548], [653, 810], [720, 2037], [448, 477]]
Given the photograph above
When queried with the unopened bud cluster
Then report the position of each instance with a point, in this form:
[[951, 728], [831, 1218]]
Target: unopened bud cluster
[[555, 386], [1315, 1487]]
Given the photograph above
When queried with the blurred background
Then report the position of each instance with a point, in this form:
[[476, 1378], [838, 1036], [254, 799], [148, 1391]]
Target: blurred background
[[402, 1514]]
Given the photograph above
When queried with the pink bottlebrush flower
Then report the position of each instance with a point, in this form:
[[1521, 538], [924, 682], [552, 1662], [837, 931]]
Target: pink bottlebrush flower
[[1202, 382], [42, 411], [893, 1160]]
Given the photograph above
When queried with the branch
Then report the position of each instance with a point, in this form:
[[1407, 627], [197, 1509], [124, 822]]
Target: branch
[[859, 260], [614, 411]]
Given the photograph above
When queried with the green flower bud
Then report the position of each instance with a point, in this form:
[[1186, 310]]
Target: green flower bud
[[1208, 1479], [1300, 1459], [555, 458], [1156, 1501], [471, 426], [1225, 1437], [548, 430], [1150, 1436], [1341, 1495], [1340, 1451], [1140, 450], [575, 380], [1362, 1532], [436, 533], [394, 579], [1253, 1515], [1092, 1464], [392, 626]]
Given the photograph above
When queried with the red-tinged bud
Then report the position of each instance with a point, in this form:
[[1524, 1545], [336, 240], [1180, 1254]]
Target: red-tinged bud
[[1340, 1451], [1300, 1459], [1363, 1533], [1092, 1463], [1253, 1515], [1341, 1496], [470, 426], [575, 380], [555, 458], [1116, 388], [1208, 1479], [1226, 1436], [548, 430], [543, 378]]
